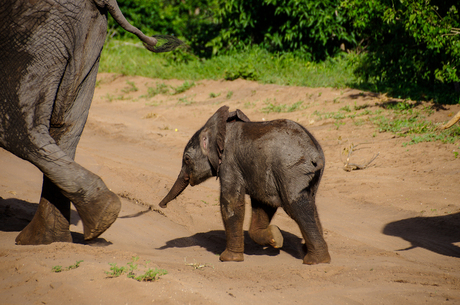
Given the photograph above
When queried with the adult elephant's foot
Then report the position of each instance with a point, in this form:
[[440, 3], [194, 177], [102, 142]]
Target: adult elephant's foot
[[230, 256], [270, 236], [320, 257], [99, 212], [47, 226]]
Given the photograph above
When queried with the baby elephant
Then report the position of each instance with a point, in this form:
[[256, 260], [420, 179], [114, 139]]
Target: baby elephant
[[277, 163]]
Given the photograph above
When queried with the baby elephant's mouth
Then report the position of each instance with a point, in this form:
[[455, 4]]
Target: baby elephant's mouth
[[191, 181]]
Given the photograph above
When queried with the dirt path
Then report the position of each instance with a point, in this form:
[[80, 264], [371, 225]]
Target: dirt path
[[393, 229]]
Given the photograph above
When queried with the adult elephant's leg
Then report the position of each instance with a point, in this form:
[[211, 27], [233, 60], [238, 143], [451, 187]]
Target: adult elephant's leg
[[51, 221], [55, 150], [260, 229], [48, 70], [97, 206]]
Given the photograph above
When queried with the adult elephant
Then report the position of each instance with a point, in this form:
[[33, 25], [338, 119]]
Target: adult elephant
[[49, 57]]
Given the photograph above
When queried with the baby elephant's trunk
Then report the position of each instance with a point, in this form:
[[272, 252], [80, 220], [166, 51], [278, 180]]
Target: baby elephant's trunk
[[180, 185]]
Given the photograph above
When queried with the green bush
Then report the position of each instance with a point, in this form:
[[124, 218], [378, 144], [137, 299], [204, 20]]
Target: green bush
[[412, 47], [408, 48], [191, 21], [309, 27]]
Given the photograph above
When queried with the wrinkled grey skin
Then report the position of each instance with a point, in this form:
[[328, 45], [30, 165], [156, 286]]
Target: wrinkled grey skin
[[277, 163], [49, 57]]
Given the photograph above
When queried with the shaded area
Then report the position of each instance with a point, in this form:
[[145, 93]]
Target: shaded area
[[407, 88], [365, 95], [437, 234], [78, 238], [398, 105], [215, 241], [15, 214]]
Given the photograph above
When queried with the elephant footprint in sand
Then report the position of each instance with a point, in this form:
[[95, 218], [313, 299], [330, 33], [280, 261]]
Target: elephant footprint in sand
[[277, 163]]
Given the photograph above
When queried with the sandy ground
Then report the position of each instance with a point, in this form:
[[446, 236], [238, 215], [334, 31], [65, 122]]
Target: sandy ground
[[393, 229]]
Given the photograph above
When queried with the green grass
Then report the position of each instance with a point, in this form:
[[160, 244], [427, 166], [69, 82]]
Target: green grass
[[408, 122], [449, 136], [401, 119], [130, 58], [162, 88], [182, 88], [130, 88], [131, 271], [186, 100], [404, 118], [115, 271], [58, 268], [283, 107]]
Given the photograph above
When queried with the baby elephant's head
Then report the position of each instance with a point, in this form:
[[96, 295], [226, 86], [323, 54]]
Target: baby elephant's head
[[202, 155]]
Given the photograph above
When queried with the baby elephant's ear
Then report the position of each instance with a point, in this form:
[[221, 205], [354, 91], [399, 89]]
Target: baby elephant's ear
[[214, 131], [237, 115]]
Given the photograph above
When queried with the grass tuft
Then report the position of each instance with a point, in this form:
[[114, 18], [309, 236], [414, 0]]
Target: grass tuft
[[149, 275], [58, 268], [282, 107]]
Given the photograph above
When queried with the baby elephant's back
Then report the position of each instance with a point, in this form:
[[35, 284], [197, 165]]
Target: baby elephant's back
[[288, 146]]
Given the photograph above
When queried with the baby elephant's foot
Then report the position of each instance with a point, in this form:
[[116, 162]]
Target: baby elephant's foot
[[270, 236], [230, 256], [317, 258], [276, 240]]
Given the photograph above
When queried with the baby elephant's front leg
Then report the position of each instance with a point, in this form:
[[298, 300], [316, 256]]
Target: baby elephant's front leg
[[232, 209]]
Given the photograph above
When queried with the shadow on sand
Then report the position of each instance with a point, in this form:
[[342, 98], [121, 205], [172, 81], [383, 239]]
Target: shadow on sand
[[437, 234], [15, 215], [215, 241]]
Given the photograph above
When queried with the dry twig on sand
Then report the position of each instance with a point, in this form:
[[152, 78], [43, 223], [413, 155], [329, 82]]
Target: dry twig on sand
[[451, 123], [353, 166]]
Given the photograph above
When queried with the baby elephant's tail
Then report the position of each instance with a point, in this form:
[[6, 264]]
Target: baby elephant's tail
[[318, 163]]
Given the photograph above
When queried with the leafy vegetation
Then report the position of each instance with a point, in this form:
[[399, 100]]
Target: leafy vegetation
[[283, 107], [404, 119], [182, 88], [129, 58], [162, 88], [409, 49], [192, 21], [450, 136], [149, 275], [130, 88], [312, 28], [58, 268]]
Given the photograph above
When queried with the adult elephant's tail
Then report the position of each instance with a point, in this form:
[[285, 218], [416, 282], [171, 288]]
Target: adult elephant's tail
[[168, 43]]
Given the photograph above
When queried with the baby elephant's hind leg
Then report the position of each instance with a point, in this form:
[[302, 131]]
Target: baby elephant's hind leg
[[304, 212], [260, 229]]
